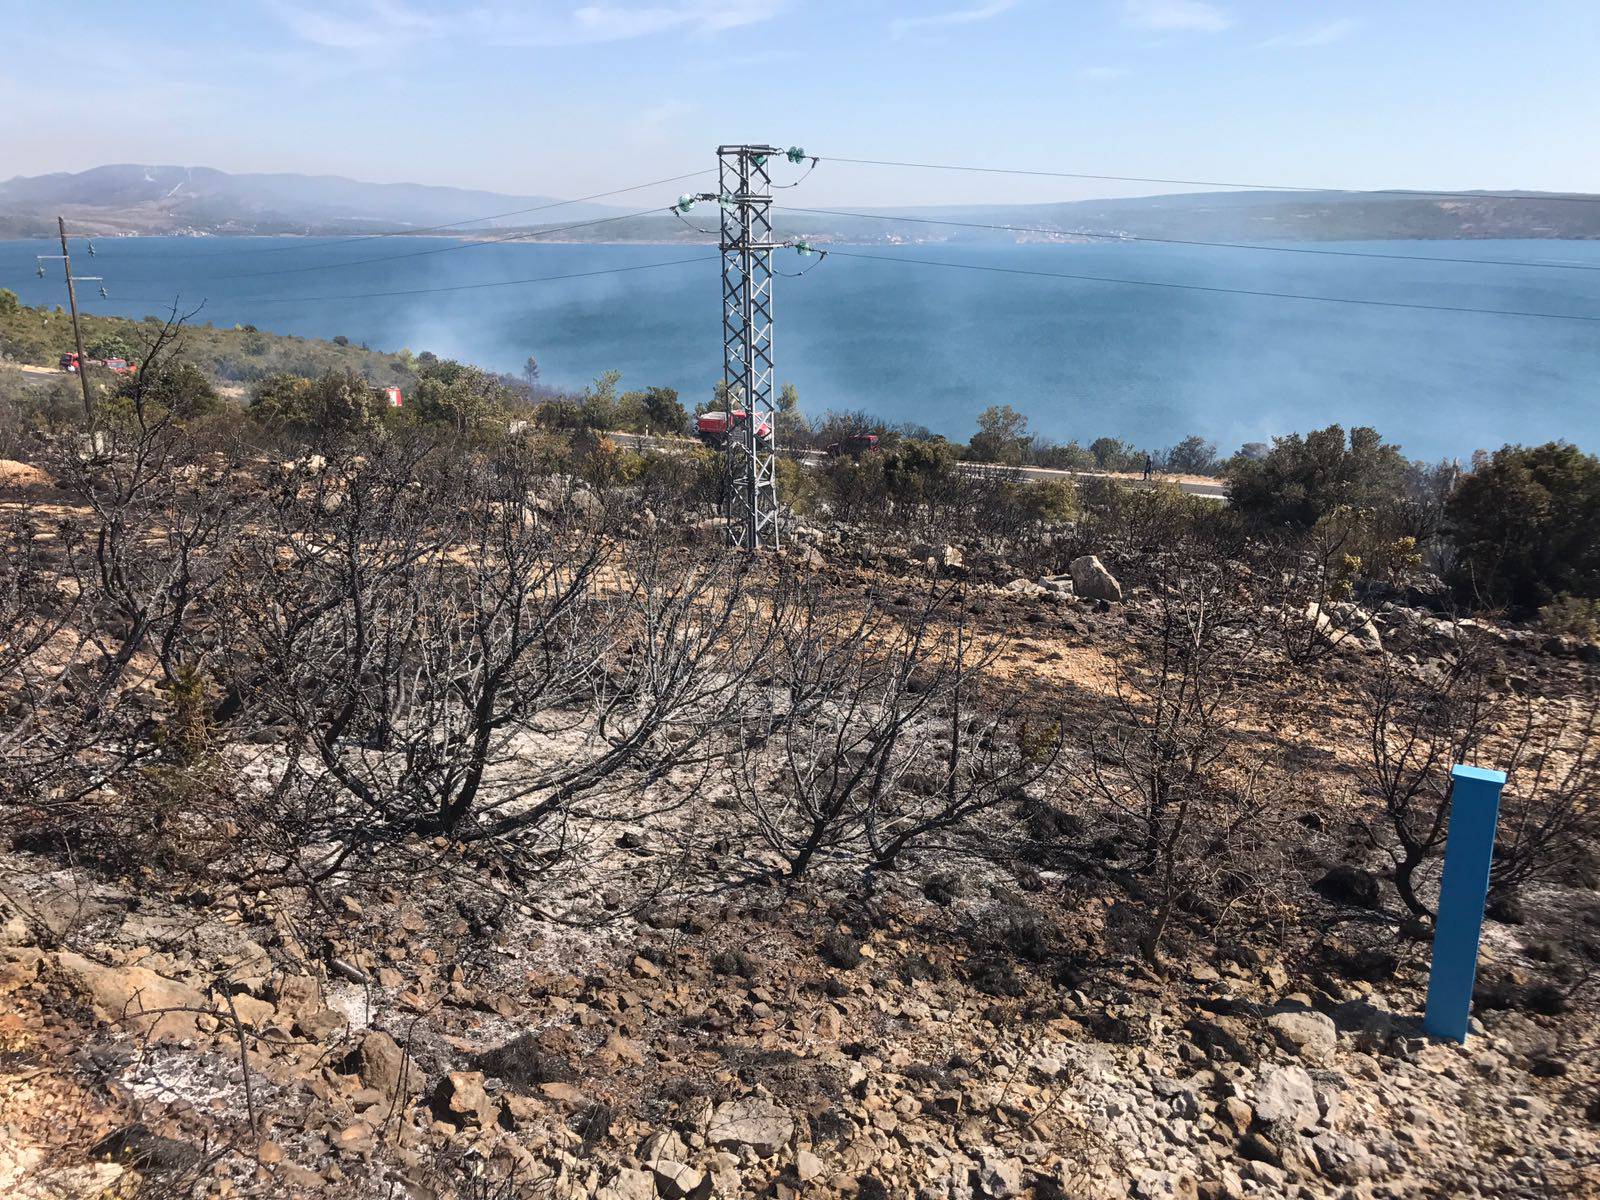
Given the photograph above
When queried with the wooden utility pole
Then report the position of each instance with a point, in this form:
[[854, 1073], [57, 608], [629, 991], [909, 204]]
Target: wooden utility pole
[[77, 333]]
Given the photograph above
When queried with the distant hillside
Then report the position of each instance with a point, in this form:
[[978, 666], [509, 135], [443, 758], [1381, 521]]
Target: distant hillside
[[1210, 216], [151, 199], [136, 199], [1310, 216]]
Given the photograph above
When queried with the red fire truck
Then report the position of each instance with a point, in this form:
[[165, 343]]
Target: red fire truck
[[713, 428]]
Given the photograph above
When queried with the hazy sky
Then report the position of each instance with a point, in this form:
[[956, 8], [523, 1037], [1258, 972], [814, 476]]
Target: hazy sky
[[567, 97]]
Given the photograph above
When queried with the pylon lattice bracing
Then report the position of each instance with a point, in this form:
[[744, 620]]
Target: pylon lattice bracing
[[747, 245]]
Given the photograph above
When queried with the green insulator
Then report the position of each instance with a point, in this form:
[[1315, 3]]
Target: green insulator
[[796, 154], [685, 202], [760, 160], [804, 248]]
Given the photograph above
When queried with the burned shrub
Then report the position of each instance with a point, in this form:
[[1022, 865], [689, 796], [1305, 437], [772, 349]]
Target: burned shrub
[[524, 1062]]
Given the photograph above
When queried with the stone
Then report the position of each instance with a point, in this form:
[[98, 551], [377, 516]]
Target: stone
[[122, 994], [1311, 1035], [1285, 1094], [1182, 1101], [663, 1144], [1342, 1159], [253, 1013], [620, 1050], [321, 1025], [759, 1124], [1024, 587], [1092, 581], [807, 1166], [1347, 884], [1255, 1148], [1354, 631], [383, 1066], [679, 1181], [1236, 1113], [628, 1184], [997, 1176], [356, 1136], [461, 1100], [568, 1094], [1222, 1038], [945, 556]]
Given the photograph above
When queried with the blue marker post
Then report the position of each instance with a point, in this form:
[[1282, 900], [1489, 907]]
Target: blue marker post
[[1468, 852]]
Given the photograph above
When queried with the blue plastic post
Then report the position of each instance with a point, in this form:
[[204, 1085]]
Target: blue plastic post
[[1469, 849]]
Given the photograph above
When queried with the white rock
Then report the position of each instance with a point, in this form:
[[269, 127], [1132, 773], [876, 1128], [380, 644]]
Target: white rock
[[753, 1122], [1311, 1035], [1092, 581], [1285, 1094]]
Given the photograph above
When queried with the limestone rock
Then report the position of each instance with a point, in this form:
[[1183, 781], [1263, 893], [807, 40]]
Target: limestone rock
[[1342, 1159], [1285, 1094], [1026, 588], [948, 557], [383, 1066], [461, 1100], [1351, 629], [1311, 1035], [1092, 581], [253, 1013], [807, 1166], [663, 1144], [679, 1181], [759, 1124], [628, 1184], [998, 1177], [121, 994]]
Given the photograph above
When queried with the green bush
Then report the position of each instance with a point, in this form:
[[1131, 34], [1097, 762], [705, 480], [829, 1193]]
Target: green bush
[[463, 398], [174, 385], [1526, 527], [1303, 479], [339, 402], [1571, 616], [1049, 501]]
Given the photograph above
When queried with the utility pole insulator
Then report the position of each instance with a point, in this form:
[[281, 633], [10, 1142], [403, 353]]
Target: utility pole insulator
[[747, 366]]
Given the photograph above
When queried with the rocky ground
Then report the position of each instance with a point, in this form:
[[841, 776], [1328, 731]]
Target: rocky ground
[[667, 1028]]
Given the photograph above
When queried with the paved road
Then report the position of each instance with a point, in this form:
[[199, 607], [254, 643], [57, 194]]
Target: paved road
[[1206, 489]]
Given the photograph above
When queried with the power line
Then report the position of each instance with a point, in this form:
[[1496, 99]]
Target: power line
[[417, 231], [459, 287], [1126, 237], [1227, 291], [1212, 183]]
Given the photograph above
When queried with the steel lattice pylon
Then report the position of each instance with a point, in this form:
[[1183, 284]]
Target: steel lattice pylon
[[752, 461]]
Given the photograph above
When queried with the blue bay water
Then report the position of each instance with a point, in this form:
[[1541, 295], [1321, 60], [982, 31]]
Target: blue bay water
[[935, 346]]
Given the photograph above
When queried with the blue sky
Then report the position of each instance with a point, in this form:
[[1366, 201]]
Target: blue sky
[[566, 97]]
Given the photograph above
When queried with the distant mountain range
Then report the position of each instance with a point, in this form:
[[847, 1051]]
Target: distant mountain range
[[126, 199]]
